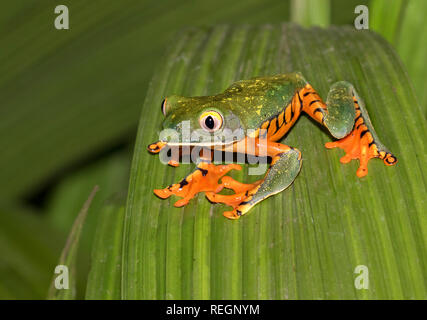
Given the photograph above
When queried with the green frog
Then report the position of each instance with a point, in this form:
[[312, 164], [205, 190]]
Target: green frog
[[253, 115]]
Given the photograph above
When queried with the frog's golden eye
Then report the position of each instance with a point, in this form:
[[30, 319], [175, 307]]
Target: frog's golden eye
[[211, 121]]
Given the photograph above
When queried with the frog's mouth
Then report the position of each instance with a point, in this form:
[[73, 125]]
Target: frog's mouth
[[200, 144], [156, 147], [199, 138], [196, 138]]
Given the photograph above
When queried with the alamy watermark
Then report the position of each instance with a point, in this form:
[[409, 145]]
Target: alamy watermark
[[62, 19], [361, 22], [62, 280], [362, 280]]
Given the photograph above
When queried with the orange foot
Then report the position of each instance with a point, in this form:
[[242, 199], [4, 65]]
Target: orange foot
[[156, 147], [205, 178], [243, 193], [359, 144]]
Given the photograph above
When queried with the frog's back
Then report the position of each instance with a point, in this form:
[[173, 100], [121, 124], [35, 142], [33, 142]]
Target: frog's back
[[262, 98]]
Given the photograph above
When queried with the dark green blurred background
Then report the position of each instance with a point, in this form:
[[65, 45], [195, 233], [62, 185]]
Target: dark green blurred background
[[70, 103]]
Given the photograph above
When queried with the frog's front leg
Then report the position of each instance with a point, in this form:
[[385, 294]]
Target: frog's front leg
[[285, 166], [204, 179], [156, 147], [346, 118]]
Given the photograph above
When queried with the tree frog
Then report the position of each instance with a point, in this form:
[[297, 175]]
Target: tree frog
[[263, 109]]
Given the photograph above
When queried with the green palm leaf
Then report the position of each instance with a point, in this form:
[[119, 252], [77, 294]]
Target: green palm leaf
[[104, 281], [305, 242], [69, 255]]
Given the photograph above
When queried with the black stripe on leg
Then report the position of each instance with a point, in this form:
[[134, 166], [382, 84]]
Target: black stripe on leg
[[292, 110], [268, 127], [284, 115], [183, 183], [314, 101], [318, 110], [300, 101], [307, 93], [363, 133], [204, 171], [357, 118]]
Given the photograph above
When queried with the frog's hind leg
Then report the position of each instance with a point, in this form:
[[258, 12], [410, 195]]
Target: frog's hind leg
[[285, 166], [241, 191], [204, 179], [346, 118]]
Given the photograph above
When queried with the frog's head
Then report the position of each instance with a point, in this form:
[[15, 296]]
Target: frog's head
[[200, 121]]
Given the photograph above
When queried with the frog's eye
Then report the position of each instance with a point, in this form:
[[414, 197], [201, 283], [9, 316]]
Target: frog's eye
[[164, 107], [211, 121]]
